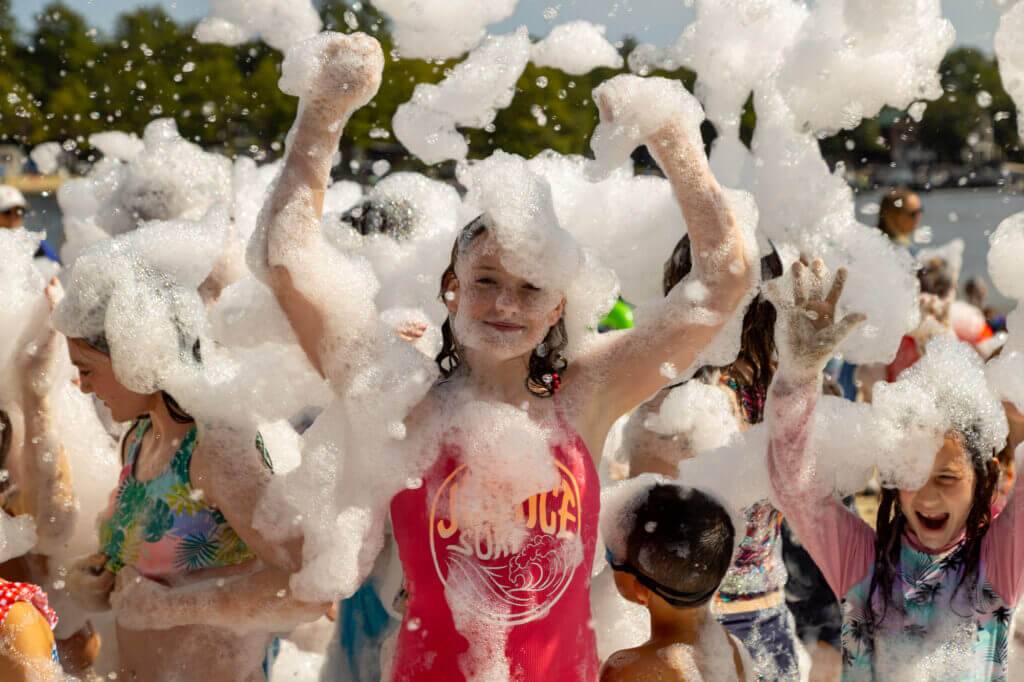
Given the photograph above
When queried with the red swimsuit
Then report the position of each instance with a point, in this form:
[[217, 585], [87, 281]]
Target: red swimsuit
[[534, 597]]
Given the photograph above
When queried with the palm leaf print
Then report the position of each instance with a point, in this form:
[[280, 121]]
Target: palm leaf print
[[195, 551]]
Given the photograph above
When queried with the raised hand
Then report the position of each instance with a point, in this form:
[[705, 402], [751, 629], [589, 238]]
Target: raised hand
[[807, 332]]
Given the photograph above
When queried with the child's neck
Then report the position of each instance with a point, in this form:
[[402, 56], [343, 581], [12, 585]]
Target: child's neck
[[670, 625]]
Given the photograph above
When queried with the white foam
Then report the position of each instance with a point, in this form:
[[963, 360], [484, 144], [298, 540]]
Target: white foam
[[1010, 54], [279, 24], [631, 123], [46, 156], [846, 64], [441, 29], [469, 97], [576, 47]]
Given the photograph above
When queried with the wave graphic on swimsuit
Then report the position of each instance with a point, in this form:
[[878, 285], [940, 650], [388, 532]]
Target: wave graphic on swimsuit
[[516, 589]]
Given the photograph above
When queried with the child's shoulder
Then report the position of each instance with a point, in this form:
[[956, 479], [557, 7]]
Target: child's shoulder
[[642, 664], [26, 631]]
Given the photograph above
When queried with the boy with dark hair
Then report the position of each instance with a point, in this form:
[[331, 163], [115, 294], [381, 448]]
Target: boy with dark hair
[[678, 547]]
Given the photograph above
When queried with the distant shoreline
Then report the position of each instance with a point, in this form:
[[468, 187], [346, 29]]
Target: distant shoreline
[[31, 183]]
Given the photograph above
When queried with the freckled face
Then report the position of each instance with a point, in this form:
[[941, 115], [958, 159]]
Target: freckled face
[[96, 375], [495, 311], [938, 511]]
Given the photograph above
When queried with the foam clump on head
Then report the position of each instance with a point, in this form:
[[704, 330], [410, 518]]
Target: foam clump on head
[[519, 214], [630, 221], [138, 292], [577, 48], [852, 57], [1010, 53], [165, 178], [469, 97], [441, 29], [639, 108], [945, 390], [279, 24]]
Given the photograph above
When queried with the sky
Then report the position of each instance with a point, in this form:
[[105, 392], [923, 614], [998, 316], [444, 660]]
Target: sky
[[653, 21]]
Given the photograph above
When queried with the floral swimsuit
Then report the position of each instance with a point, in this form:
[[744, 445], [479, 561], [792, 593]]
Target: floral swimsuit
[[161, 527]]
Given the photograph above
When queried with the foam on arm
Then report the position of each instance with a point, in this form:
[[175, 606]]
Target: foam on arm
[[320, 295], [839, 542], [1002, 548], [666, 118]]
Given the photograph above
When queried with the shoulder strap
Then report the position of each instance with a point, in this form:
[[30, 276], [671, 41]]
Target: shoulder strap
[[133, 440]]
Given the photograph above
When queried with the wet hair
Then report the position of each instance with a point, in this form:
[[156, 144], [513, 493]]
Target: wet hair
[[757, 340], [935, 277], [890, 525], [892, 203], [547, 361], [391, 217], [681, 539]]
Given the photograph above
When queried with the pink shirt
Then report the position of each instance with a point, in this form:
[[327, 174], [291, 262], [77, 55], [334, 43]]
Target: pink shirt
[[841, 544]]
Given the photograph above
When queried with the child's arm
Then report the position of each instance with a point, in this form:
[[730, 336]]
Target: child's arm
[[1002, 548], [261, 600], [628, 364], [303, 269], [46, 485], [26, 645], [839, 542], [234, 476]]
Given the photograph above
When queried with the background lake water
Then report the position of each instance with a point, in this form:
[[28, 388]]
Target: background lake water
[[970, 214]]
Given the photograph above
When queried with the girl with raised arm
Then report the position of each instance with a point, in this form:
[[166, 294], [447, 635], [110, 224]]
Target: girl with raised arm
[[934, 587], [519, 610]]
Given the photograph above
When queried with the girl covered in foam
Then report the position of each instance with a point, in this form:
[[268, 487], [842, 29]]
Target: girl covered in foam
[[497, 527], [929, 594], [181, 515]]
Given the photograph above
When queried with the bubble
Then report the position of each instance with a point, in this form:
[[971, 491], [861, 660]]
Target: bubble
[[984, 99]]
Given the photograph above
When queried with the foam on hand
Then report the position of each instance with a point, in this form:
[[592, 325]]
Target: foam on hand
[[279, 24], [637, 108], [442, 29], [577, 48], [469, 97]]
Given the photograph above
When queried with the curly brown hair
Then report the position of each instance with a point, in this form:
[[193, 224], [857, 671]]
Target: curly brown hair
[[547, 361]]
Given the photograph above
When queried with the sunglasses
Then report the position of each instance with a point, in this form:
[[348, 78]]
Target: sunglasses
[[15, 211]]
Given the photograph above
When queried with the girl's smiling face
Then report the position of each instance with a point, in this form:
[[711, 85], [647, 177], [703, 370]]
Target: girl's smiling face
[[494, 310], [937, 512]]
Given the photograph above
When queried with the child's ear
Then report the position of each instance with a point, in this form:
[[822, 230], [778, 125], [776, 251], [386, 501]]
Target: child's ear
[[631, 589], [451, 295]]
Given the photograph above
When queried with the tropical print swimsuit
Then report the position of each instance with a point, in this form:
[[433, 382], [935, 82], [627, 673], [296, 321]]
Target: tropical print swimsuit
[[161, 527]]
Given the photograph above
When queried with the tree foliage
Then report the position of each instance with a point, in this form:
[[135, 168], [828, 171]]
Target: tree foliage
[[65, 80]]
